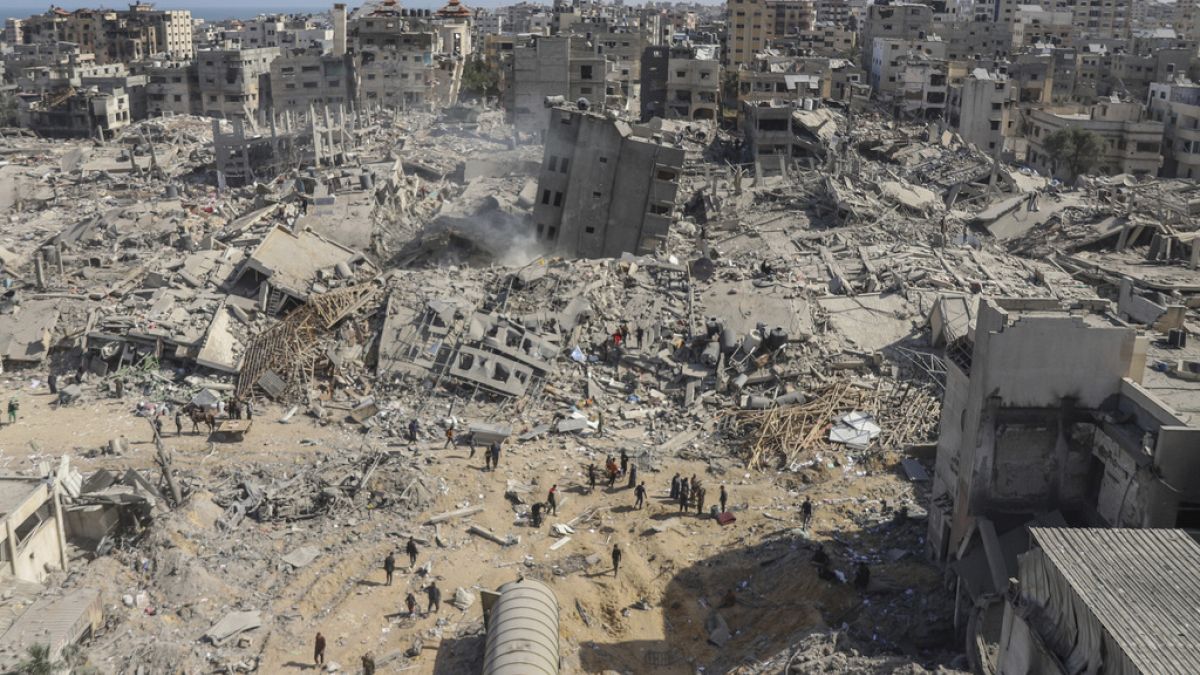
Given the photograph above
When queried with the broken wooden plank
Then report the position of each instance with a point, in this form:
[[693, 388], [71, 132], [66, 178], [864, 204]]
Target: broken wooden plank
[[450, 515]]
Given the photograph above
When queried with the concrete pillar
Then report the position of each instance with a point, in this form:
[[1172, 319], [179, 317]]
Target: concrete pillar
[[39, 271], [339, 29], [1195, 262]]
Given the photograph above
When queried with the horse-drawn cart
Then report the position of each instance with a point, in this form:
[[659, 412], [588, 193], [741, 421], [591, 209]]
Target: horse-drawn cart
[[232, 430]]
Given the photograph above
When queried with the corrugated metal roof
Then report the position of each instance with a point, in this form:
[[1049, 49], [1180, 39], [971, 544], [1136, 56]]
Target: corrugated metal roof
[[1141, 585]]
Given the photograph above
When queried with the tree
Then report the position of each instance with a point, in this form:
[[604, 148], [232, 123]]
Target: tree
[[479, 80], [1073, 149], [38, 662]]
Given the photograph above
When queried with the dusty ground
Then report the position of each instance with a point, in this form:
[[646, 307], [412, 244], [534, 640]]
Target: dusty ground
[[682, 572]]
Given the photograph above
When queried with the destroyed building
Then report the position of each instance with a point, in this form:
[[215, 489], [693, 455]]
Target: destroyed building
[[605, 188], [33, 539], [1044, 413]]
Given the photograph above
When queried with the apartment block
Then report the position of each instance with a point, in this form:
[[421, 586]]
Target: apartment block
[[308, 78], [1177, 106], [605, 187], [235, 82], [1130, 142], [32, 535], [567, 66], [693, 83], [980, 108], [172, 88]]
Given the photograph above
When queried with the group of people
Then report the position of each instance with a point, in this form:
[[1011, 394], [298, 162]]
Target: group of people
[[689, 492], [432, 592]]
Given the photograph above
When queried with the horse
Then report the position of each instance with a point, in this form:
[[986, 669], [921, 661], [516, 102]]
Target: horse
[[200, 416]]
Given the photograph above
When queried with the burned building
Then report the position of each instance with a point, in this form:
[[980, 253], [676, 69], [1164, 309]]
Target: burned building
[[604, 188]]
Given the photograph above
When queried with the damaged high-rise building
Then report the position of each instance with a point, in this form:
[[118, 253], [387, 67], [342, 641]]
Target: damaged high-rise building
[[605, 188]]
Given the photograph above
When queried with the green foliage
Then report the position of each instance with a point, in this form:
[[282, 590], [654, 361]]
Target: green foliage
[[37, 662], [479, 80], [1073, 149]]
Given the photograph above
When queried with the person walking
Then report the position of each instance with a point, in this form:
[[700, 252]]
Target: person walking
[[413, 428], [724, 497], [640, 493], [675, 487], [683, 496], [52, 382], [157, 427], [616, 558], [624, 462], [178, 422], [862, 576], [632, 475], [249, 410], [435, 597], [806, 513], [368, 664], [449, 437], [536, 510], [410, 601], [411, 549], [389, 566], [612, 473], [319, 650], [495, 456], [552, 499], [592, 477], [700, 501], [639, 333], [13, 407]]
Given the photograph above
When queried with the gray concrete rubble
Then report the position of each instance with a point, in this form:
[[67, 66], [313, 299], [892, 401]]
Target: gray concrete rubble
[[878, 305]]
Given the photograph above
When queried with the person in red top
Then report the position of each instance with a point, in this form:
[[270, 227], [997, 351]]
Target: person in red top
[[616, 338], [552, 499]]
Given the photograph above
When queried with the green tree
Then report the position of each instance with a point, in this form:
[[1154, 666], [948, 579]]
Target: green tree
[[1073, 149], [479, 80], [38, 662]]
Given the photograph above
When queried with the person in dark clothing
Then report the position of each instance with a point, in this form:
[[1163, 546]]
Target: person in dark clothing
[[319, 650], [368, 664], [820, 557], [487, 460], [640, 493], [157, 427], [683, 496], [410, 601], [537, 514], [411, 549], [435, 598], [862, 576], [699, 501], [494, 450], [178, 422], [624, 462], [806, 513], [449, 437], [52, 382], [249, 410], [592, 477], [632, 475], [552, 499], [496, 456], [413, 428], [389, 566], [616, 558], [724, 496], [675, 487], [639, 333]]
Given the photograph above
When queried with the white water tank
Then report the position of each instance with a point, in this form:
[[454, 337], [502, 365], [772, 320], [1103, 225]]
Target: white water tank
[[522, 631]]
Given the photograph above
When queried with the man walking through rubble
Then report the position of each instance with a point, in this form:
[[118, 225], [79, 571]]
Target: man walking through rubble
[[249, 411], [552, 499], [640, 333], [700, 501], [624, 462], [435, 597], [449, 437], [616, 558], [675, 487], [805, 514], [13, 407], [640, 493], [413, 428], [319, 650], [411, 549], [632, 475], [410, 601], [536, 511], [389, 566], [724, 496], [495, 456], [683, 496], [178, 422], [592, 477]]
